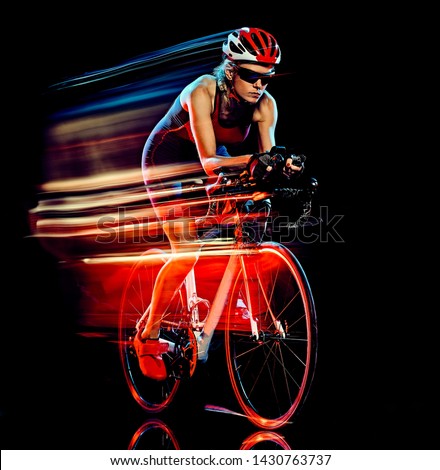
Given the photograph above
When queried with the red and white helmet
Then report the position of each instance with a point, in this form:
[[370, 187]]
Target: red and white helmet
[[252, 45]]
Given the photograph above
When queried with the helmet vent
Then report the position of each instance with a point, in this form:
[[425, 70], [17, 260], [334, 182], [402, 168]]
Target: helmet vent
[[248, 46]]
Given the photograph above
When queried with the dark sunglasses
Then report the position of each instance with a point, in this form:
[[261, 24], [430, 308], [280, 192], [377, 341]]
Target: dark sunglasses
[[252, 77]]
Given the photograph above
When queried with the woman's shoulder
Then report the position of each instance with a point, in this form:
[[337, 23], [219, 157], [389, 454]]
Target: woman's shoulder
[[204, 81], [265, 108], [267, 97], [267, 101], [204, 85]]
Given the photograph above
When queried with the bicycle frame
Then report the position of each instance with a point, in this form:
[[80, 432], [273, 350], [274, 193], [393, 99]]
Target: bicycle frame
[[221, 299]]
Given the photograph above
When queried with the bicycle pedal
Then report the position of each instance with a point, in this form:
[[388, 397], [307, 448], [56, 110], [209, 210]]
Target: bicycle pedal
[[184, 359]]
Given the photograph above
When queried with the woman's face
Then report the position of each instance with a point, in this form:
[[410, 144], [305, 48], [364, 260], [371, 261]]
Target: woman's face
[[250, 80]]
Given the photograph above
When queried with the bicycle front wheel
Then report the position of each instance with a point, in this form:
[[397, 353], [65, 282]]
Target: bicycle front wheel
[[271, 341]]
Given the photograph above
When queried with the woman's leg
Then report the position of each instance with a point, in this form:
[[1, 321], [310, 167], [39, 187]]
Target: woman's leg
[[182, 236]]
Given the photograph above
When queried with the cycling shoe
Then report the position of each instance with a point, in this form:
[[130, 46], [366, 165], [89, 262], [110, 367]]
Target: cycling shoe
[[149, 353]]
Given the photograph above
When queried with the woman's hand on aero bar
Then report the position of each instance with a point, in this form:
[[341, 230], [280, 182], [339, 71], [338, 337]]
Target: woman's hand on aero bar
[[261, 166], [294, 165]]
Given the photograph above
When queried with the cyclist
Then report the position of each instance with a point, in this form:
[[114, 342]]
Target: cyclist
[[210, 116]]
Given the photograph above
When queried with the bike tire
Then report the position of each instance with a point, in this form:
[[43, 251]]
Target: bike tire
[[271, 372], [151, 395]]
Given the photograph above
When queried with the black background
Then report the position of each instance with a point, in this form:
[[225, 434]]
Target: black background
[[374, 387]]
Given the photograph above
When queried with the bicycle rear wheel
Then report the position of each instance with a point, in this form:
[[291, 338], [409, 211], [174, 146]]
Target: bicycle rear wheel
[[271, 346], [151, 394]]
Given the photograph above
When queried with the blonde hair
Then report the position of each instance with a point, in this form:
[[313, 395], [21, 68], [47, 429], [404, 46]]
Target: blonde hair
[[223, 82]]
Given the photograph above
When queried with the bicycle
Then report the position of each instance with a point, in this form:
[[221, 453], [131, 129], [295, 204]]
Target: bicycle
[[264, 306]]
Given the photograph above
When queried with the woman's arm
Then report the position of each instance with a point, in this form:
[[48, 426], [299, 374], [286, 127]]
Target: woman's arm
[[266, 116], [198, 100]]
